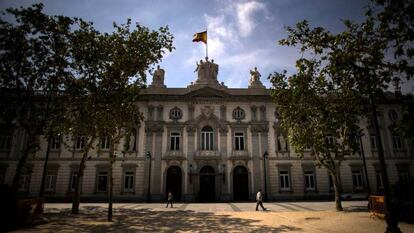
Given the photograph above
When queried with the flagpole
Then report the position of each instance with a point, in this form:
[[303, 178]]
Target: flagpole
[[206, 44]]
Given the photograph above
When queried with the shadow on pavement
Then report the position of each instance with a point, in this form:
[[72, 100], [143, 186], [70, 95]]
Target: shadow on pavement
[[93, 219]]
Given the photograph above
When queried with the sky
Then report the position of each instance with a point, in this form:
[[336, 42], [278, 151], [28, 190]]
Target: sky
[[242, 34]]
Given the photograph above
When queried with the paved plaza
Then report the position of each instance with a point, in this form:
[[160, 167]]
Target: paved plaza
[[213, 217], [220, 207]]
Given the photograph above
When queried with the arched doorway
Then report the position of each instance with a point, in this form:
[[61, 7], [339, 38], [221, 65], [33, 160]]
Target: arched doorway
[[207, 184], [174, 182], [240, 184]]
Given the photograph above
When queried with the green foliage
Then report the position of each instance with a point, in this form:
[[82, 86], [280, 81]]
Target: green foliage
[[33, 62], [405, 125], [329, 92], [59, 75], [313, 108]]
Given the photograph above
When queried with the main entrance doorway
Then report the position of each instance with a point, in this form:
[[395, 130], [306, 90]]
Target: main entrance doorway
[[207, 184], [240, 184], [174, 182]]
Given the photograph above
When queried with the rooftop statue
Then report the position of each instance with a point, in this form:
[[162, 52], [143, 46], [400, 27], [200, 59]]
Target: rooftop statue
[[207, 72], [158, 77], [254, 81]]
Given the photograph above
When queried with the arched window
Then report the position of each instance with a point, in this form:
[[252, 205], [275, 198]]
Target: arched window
[[207, 136]]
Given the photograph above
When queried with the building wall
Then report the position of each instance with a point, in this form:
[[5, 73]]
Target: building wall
[[261, 136]]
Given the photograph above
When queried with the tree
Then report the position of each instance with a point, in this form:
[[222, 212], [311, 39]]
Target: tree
[[101, 98], [33, 63], [405, 125], [358, 57], [317, 114]]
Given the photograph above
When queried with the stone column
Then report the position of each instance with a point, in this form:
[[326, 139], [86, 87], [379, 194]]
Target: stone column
[[148, 148], [189, 192], [157, 172], [256, 161], [264, 140], [225, 192]]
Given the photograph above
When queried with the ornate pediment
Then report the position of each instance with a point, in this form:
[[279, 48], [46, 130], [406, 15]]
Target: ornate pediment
[[207, 92]]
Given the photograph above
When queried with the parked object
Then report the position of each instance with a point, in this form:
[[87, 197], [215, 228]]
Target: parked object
[[354, 195]]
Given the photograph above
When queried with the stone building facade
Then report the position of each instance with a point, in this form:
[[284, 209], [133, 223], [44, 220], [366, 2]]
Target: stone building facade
[[206, 142]]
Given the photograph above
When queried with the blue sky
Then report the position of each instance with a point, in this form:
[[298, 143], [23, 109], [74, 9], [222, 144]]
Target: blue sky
[[241, 34]]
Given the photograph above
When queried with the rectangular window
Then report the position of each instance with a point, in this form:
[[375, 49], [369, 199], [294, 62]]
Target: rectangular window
[[357, 179], [55, 143], [239, 141], [175, 141], [129, 181], [50, 182], [373, 141], [80, 142], [378, 177], [396, 142], [309, 181], [105, 143], [207, 140], [73, 180], [5, 142], [102, 181], [284, 180]]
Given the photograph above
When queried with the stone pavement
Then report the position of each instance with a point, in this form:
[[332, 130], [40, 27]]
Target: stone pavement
[[223, 207], [214, 217]]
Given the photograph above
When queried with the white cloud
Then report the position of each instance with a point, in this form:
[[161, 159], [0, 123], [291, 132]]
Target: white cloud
[[245, 18], [229, 46]]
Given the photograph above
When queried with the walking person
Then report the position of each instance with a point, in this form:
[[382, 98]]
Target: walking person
[[170, 199], [259, 200]]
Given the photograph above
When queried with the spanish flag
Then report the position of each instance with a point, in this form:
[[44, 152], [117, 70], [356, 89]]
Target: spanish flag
[[200, 36]]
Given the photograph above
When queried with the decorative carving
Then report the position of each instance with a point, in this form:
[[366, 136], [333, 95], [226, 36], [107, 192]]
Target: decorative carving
[[238, 114], [281, 142], [154, 127], [176, 114], [191, 128], [208, 111], [259, 128], [240, 162], [223, 128], [223, 112]]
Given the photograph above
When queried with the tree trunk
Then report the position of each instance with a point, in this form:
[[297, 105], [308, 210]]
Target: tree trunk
[[77, 193], [16, 178], [337, 189], [110, 191]]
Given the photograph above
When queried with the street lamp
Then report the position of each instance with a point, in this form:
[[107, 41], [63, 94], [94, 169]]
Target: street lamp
[[149, 177], [265, 155]]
